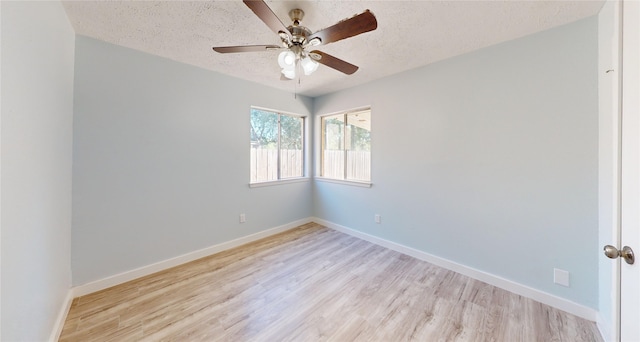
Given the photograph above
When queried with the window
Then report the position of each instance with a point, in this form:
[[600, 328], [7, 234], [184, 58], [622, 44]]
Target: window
[[346, 146], [277, 145]]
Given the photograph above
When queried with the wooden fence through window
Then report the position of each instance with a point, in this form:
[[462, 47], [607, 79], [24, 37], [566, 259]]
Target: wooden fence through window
[[264, 164], [358, 165]]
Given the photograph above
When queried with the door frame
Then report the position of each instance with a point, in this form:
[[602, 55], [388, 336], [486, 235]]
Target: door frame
[[609, 145], [629, 297], [619, 166]]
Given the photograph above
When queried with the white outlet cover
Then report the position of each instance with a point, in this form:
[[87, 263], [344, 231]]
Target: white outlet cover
[[377, 218], [561, 277]]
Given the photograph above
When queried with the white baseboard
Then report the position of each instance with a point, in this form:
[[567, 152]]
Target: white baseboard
[[605, 329], [123, 277], [523, 290], [62, 317]]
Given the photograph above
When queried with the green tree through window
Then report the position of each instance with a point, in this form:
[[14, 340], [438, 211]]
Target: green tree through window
[[277, 144]]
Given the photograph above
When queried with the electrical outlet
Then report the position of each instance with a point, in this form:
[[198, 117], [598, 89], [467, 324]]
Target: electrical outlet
[[377, 218], [561, 277], [243, 218]]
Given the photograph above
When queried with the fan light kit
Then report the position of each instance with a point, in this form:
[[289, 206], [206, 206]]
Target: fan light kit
[[296, 39], [287, 61]]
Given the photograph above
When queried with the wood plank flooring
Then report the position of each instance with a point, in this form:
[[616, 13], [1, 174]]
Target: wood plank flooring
[[315, 284]]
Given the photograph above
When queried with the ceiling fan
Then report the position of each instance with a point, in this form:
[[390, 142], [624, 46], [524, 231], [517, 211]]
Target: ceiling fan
[[297, 40]]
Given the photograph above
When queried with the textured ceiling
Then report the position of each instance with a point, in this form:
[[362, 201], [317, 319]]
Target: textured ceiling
[[410, 34]]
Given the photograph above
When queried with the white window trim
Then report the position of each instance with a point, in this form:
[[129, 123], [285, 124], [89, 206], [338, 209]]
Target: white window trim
[[305, 151], [345, 182], [279, 111], [317, 149], [279, 182]]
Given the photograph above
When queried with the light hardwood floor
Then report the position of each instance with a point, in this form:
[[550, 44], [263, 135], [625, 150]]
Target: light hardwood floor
[[315, 284]]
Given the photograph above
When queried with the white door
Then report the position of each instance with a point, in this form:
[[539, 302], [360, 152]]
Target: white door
[[630, 177], [609, 76]]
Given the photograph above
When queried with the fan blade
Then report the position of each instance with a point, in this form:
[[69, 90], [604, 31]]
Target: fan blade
[[245, 48], [265, 14], [333, 62], [361, 23]]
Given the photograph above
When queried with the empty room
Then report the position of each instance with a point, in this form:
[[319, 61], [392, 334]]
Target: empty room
[[320, 170]]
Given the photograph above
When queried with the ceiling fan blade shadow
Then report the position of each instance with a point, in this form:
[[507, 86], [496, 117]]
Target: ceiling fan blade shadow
[[333, 62], [262, 10], [361, 23], [245, 48]]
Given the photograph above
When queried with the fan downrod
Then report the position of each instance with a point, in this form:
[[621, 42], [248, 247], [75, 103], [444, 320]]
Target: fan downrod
[[296, 16]]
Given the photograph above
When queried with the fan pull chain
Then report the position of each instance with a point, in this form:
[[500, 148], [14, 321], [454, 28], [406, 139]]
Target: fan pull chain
[[295, 84], [295, 90]]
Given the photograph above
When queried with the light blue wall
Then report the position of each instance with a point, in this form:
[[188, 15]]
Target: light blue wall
[[489, 159], [37, 112], [161, 160]]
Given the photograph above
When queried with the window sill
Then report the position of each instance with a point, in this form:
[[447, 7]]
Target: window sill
[[345, 182], [279, 182]]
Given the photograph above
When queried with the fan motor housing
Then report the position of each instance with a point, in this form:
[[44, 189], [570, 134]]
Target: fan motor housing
[[299, 33]]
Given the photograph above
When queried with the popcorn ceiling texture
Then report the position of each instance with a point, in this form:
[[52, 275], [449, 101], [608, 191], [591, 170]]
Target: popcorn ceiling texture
[[410, 34]]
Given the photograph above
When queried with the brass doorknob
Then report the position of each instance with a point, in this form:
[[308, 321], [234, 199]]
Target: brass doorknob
[[626, 253]]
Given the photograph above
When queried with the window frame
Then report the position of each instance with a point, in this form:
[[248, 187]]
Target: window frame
[[304, 177], [320, 144]]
